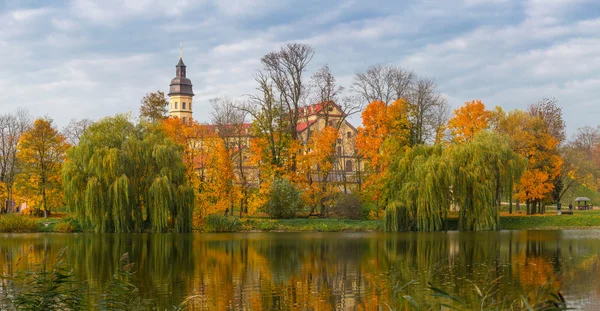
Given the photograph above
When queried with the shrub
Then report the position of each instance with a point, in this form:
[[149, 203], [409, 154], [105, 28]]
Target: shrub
[[218, 223], [64, 227], [17, 223], [347, 205], [284, 200]]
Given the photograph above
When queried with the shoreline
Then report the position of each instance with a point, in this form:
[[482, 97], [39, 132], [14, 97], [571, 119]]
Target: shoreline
[[581, 220]]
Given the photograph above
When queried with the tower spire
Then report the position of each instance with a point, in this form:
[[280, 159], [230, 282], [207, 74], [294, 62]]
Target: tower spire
[[180, 50]]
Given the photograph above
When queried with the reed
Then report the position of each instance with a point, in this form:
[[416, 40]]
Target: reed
[[11, 223]]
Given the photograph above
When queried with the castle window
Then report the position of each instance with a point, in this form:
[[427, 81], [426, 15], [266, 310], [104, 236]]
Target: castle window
[[339, 150], [339, 140], [175, 105], [348, 166], [190, 106], [349, 134], [330, 123], [183, 105], [183, 119]]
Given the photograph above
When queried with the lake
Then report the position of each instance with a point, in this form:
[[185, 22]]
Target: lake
[[327, 271]]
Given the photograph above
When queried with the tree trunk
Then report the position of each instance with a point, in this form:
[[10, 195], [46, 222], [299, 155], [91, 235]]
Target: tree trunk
[[510, 203]]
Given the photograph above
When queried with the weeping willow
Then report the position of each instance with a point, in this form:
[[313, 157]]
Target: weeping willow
[[426, 180], [127, 178], [482, 168], [419, 191]]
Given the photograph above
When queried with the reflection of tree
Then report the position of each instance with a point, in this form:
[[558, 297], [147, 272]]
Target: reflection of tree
[[320, 271]]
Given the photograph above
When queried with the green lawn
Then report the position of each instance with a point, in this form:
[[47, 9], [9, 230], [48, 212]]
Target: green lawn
[[579, 219], [304, 224]]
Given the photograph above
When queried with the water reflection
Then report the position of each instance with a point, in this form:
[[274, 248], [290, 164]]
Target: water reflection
[[325, 271]]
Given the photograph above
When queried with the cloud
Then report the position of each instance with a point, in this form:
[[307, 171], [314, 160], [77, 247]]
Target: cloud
[[87, 58]]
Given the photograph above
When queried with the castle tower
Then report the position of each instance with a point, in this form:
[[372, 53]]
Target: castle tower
[[180, 94]]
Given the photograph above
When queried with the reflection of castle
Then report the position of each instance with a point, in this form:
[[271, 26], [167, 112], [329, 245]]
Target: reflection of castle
[[312, 119]]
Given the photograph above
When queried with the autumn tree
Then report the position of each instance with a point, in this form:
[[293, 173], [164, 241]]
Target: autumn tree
[[154, 106], [530, 138], [581, 165], [315, 164], [385, 131], [208, 166], [269, 122], [285, 69], [230, 124], [216, 177], [42, 152], [75, 129], [585, 145], [428, 111], [125, 177], [384, 83], [468, 120], [550, 113], [12, 126], [333, 106]]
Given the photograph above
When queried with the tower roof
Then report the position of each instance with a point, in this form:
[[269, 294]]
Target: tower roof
[[180, 64], [181, 85]]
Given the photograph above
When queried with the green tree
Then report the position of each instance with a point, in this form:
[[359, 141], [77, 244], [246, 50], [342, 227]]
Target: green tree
[[154, 106], [124, 177], [419, 190], [481, 170], [424, 181]]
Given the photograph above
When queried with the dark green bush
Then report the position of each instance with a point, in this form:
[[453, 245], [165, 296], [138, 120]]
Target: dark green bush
[[348, 205], [218, 223], [284, 200]]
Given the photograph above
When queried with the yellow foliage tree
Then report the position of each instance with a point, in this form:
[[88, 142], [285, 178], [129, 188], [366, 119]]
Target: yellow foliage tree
[[216, 177], [42, 153], [209, 167], [315, 164], [258, 158], [468, 120], [531, 139]]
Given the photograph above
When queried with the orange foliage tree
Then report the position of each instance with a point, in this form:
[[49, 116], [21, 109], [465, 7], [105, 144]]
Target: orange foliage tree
[[468, 120], [385, 131], [531, 139], [209, 167], [42, 153], [315, 164]]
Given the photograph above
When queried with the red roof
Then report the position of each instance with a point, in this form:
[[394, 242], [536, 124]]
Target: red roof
[[304, 125]]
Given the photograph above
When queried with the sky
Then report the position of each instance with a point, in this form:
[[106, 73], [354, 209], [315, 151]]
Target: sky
[[91, 59]]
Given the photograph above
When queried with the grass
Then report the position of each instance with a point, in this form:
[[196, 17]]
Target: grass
[[310, 224], [61, 222], [550, 220]]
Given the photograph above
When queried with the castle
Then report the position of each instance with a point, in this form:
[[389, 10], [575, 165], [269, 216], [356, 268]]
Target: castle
[[312, 119]]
